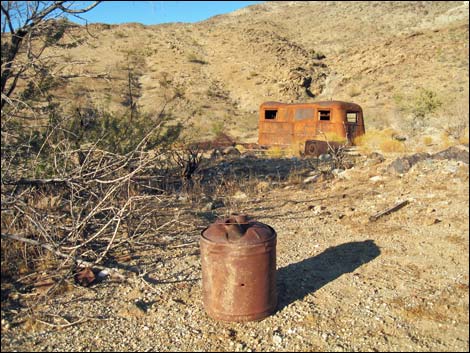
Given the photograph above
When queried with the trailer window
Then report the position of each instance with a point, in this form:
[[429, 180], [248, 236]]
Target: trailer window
[[323, 115], [303, 113], [351, 117], [270, 114]]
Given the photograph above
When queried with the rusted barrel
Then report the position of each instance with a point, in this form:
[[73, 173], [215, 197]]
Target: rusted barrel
[[238, 259]]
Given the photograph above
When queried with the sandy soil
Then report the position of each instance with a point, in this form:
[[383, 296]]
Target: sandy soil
[[345, 283]]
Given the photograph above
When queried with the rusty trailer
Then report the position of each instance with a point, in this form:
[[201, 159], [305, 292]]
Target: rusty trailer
[[310, 127]]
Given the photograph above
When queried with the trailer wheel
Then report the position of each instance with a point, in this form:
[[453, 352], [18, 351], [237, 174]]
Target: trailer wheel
[[310, 149]]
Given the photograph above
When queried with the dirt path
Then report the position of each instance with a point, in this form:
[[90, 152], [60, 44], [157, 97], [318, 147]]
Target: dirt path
[[345, 283]]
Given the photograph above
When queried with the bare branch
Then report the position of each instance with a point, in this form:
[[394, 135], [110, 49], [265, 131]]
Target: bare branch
[[51, 248]]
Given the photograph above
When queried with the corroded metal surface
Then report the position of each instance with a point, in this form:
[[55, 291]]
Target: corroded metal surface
[[238, 259], [317, 147], [293, 124]]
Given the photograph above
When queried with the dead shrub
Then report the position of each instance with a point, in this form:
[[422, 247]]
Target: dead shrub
[[391, 146]]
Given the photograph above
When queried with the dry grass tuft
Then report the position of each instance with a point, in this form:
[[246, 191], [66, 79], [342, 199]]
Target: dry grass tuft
[[382, 140]]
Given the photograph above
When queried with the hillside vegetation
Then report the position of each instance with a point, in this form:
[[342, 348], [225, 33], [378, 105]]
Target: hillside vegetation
[[381, 55]]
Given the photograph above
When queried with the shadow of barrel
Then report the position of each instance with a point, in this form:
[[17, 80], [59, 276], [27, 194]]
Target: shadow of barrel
[[295, 281]]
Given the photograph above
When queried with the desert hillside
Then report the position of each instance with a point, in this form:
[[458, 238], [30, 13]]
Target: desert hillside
[[217, 72], [105, 199]]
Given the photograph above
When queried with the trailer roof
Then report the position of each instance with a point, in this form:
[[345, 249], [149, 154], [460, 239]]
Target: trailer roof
[[332, 103]]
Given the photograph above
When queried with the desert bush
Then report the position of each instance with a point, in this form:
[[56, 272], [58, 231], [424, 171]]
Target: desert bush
[[83, 190], [275, 152], [332, 137], [427, 140], [317, 55], [446, 140], [353, 91], [293, 150], [425, 102], [374, 140], [464, 136], [122, 133], [420, 107], [217, 128], [390, 145]]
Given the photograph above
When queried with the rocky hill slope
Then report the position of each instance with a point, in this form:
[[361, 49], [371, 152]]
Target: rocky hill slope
[[216, 72]]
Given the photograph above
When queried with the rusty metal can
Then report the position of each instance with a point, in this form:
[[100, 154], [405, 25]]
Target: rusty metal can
[[238, 260]]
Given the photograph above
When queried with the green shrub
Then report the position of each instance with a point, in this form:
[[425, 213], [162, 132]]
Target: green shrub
[[421, 104], [425, 102], [122, 134]]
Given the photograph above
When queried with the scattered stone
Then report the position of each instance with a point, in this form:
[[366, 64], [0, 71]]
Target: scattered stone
[[311, 179], [216, 153], [317, 209], [277, 339], [337, 172], [404, 164], [376, 178], [212, 205], [374, 158], [433, 220], [400, 138], [240, 195], [231, 152], [459, 153], [325, 157], [399, 166], [131, 310]]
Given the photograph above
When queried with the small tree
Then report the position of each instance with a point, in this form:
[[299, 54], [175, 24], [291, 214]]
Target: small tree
[[22, 21]]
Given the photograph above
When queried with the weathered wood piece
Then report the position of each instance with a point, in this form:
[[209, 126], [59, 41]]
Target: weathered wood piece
[[394, 208]]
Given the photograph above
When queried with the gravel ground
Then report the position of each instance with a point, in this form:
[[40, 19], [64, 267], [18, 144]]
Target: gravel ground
[[344, 283]]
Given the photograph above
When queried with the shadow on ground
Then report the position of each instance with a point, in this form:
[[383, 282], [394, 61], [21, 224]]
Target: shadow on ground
[[297, 280]]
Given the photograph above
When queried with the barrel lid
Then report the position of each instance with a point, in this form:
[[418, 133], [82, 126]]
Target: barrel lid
[[238, 229]]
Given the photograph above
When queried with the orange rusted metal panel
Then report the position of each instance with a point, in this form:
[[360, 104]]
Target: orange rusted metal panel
[[238, 260], [293, 124]]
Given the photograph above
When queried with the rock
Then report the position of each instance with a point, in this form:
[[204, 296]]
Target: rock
[[400, 138], [325, 157], [432, 220], [417, 157], [131, 310], [404, 164], [376, 178], [317, 209], [240, 195], [277, 339], [215, 153], [212, 205], [337, 171], [183, 197], [374, 158], [342, 174], [311, 179], [459, 153], [399, 166], [231, 152]]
